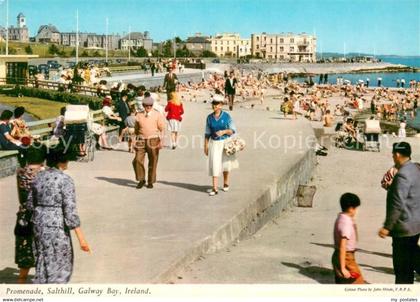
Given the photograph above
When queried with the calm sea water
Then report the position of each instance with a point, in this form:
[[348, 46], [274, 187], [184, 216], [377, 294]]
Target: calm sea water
[[408, 61], [389, 79]]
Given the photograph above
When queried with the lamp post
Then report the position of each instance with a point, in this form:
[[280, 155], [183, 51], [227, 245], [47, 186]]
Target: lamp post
[[7, 27], [106, 40], [77, 37], [129, 43]]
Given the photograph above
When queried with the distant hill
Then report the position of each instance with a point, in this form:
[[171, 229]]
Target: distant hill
[[357, 54]]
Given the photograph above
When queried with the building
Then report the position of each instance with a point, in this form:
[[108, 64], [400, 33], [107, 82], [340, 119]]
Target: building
[[69, 39], [14, 68], [100, 41], [230, 45], [21, 32], [48, 34], [198, 44], [285, 47], [135, 40]]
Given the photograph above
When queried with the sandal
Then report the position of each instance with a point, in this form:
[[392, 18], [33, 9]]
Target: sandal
[[225, 188]]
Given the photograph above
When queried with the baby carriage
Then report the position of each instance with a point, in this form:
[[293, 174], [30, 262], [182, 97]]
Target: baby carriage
[[371, 135], [78, 134]]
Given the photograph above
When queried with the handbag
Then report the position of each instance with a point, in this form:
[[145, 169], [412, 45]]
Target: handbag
[[23, 225], [233, 145]]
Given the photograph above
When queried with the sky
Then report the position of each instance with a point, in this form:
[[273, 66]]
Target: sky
[[365, 26]]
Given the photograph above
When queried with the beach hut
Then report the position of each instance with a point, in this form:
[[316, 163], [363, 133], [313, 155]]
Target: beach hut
[[14, 68]]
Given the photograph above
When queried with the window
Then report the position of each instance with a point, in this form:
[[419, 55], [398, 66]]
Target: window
[[221, 48], [258, 46], [281, 40], [292, 40], [292, 48], [227, 48], [215, 48], [281, 48], [271, 41], [271, 49], [258, 38]]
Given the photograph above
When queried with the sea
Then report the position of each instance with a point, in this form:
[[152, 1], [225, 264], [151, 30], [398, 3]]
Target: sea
[[389, 79]]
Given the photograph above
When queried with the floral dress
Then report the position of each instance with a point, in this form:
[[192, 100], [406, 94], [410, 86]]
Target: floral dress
[[53, 202], [24, 257]]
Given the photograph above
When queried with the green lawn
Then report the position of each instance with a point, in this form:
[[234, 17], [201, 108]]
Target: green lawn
[[39, 108]]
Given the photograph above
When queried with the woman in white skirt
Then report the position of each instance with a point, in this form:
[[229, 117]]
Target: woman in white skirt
[[219, 127]]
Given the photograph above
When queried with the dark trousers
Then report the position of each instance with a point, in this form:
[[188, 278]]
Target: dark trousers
[[405, 258], [151, 148], [231, 98]]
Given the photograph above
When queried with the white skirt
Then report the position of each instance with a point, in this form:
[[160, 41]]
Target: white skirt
[[174, 125], [218, 161]]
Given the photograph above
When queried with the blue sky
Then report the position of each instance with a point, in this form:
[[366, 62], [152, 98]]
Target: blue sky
[[383, 26]]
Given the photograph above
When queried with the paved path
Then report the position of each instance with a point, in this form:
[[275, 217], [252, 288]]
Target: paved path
[[297, 246], [136, 235]]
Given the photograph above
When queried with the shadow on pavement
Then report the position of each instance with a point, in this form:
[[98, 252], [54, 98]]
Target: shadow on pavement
[[119, 181], [358, 250], [187, 186], [380, 269], [320, 274], [10, 275]]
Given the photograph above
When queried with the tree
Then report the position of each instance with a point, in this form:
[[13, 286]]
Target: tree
[[156, 53], [84, 54], [73, 52], [209, 54], [28, 50], [178, 40], [142, 52], [167, 48], [12, 51], [53, 49]]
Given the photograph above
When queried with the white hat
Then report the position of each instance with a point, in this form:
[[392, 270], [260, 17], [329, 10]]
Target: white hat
[[218, 98]]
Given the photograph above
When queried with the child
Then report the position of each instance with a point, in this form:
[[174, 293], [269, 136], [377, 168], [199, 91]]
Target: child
[[345, 236], [175, 111]]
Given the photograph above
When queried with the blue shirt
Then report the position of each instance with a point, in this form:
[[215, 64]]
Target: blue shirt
[[213, 124]]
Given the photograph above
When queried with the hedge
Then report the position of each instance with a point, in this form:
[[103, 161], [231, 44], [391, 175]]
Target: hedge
[[94, 103]]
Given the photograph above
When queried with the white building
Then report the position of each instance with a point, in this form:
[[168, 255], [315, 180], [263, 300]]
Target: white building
[[285, 47], [230, 45]]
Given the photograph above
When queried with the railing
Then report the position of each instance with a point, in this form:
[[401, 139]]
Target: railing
[[81, 89]]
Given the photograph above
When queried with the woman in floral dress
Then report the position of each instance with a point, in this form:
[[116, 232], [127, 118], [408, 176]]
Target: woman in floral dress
[[24, 257], [53, 202]]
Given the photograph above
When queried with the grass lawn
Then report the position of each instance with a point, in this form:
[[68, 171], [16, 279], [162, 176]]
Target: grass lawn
[[39, 108]]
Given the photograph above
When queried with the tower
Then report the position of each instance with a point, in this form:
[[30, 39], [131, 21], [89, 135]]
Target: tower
[[21, 21]]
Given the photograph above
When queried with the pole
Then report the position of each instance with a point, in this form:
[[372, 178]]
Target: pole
[[106, 40], [129, 43], [77, 37], [7, 27], [174, 47], [344, 50]]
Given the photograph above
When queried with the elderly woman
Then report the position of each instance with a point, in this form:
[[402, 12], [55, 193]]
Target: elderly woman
[[24, 257], [52, 200], [110, 117], [219, 127]]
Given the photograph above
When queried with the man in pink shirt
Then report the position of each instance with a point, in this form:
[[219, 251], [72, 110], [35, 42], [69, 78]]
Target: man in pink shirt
[[148, 131], [345, 237]]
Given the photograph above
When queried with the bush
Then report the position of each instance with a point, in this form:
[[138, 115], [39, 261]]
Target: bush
[[94, 103], [209, 54], [53, 49], [28, 50]]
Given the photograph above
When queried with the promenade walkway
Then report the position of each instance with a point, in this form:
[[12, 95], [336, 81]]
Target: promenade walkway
[[148, 235]]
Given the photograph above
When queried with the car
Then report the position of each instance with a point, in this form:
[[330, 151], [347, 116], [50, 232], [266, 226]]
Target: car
[[32, 69], [71, 64], [54, 66], [215, 61], [51, 63], [44, 68]]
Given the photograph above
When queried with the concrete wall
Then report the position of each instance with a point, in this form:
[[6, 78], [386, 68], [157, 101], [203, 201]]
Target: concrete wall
[[279, 196], [8, 163]]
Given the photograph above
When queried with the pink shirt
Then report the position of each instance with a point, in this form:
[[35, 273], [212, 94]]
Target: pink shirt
[[345, 228], [149, 126]]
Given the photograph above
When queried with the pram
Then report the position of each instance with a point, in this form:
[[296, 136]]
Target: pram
[[78, 134], [371, 135]]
